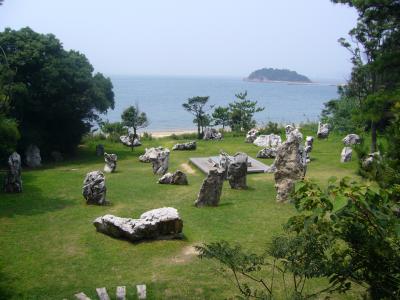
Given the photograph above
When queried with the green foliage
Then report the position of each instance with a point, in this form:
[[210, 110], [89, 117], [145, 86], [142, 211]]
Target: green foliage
[[113, 130], [9, 136], [277, 75], [221, 116], [196, 106], [51, 92], [242, 111], [272, 127], [133, 118]]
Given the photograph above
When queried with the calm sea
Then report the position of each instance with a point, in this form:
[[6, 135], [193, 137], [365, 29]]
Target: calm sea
[[162, 97]]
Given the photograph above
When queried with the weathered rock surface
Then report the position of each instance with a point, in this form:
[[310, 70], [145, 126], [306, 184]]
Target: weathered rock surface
[[268, 141], [237, 171], [111, 162], [32, 156], [290, 165], [352, 139], [267, 153], [150, 152], [130, 141], [94, 188], [323, 130], [12, 181], [251, 135], [160, 223], [100, 150], [56, 156], [211, 189], [211, 134], [185, 146], [345, 156], [370, 159], [160, 161], [178, 178], [308, 146]]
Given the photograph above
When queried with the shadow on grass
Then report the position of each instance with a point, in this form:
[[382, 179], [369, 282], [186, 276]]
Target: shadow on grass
[[6, 292], [30, 202]]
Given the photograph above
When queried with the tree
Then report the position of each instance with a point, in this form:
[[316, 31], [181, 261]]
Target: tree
[[196, 106], [113, 130], [133, 118], [52, 93], [221, 116], [242, 111]]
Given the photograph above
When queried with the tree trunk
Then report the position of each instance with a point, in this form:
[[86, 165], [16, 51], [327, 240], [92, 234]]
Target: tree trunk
[[198, 130], [373, 137]]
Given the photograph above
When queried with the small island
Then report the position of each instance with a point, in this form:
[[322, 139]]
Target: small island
[[280, 75]]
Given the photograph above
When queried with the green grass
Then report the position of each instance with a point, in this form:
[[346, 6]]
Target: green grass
[[49, 248]]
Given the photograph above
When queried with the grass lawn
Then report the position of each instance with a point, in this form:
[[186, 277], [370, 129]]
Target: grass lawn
[[49, 248]]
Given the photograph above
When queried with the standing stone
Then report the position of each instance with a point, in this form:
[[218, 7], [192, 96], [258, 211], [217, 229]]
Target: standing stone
[[251, 135], [345, 156], [160, 161], [185, 146], [237, 171], [370, 159], [111, 162], [178, 178], [323, 130], [267, 153], [100, 150], [94, 188], [351, 139], [12, 181], [150, 152], [210, 191], [308, 146], [290, 165], [32, 156], [211, 134], [160, 223], [268, 141]]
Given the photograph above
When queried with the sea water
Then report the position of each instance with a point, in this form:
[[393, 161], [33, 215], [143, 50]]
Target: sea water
[[161, 99]]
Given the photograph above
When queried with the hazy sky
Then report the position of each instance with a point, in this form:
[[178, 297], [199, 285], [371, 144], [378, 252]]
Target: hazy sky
[[188, 37]]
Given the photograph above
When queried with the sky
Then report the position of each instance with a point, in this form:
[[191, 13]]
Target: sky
[[195, 38]]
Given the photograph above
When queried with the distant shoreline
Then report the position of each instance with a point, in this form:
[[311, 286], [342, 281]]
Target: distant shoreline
[[163, 133]]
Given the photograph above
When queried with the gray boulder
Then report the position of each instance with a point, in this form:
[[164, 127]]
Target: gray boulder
[[150, 152], [130, 141], [290, 165], [251, 135], [370, 159], [323, 130], [308, 146], [211, 134], [185, 146], [160, 161], [160, 223], [177, 178], [237, 171], [100, 150], [12, 181], [32, 156], [352, 139], [111, 162], [267, 153], [268, 141], [345, 156], [94, 188], [211, 189]]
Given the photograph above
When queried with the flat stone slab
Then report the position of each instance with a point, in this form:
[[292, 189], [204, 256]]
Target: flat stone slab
[[205, 164]]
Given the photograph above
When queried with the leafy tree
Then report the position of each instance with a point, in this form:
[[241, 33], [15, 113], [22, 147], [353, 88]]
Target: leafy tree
[[133, 118], [196, 106], [221, 116], [113, 130], [242, 111], [9, 136], [52, 93]]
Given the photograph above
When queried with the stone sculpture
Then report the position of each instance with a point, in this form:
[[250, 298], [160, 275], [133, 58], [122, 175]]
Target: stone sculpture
[[32, 156], [251, 135], [211, 134], [268, 141], [12, 181], [130, 141], [178, 178], [345, 156], [211, 189], [352, 139], [290, 165], [323, 130], [111, 162], [185, 146], [308, 146], [150, 152], [160, 223], [267, 153], [100, 150], [160, 161], [94, 188], [237, 171]]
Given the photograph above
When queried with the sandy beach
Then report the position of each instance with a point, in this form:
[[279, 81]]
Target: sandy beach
[[164, 133]]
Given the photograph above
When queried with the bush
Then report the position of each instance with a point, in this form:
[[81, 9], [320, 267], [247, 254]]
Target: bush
[[9, 136], [272, 127]]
